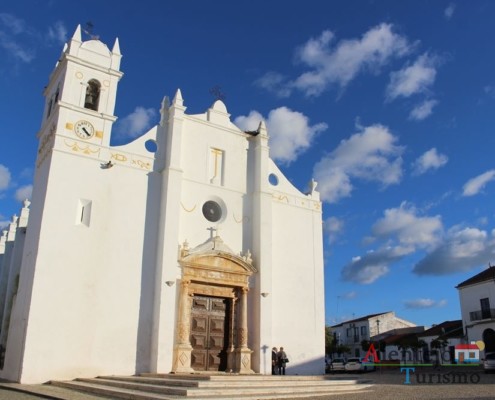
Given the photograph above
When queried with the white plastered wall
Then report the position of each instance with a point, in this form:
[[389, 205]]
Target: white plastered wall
[[86, 307]]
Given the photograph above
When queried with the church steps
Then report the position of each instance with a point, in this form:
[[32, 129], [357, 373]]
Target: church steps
[[237, 381], [141, 388], [110, 392]]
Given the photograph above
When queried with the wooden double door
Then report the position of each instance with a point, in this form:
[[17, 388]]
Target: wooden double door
[[209, 333]]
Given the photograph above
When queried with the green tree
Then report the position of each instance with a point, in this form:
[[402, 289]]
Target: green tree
[[343, 349], [329, 340]]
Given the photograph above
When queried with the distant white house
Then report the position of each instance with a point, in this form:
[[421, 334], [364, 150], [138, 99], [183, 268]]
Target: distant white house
[[352, 333], [477, 298]]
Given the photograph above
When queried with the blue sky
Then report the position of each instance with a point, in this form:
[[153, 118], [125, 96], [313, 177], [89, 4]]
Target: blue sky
[[389, 105]]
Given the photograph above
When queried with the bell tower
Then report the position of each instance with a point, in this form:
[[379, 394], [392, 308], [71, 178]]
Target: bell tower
[[81, 92]]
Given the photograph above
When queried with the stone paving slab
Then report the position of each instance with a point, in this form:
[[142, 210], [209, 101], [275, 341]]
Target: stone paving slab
[[16, 390], [389, 385]]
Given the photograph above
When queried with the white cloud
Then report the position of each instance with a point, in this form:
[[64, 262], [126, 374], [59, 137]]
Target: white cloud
[[449, 11], [24, 192], [402, 231], [422, 110], [429, 160], [349, 295], [4, 223], [411, 231], [27, 173], [341, 63], [489, 90], [424, 303], [289, 132], [368, 268], [12, 24], [57, 32], [462, 250], [275, 83], [370, 155], [10, 28], [4, 177], [476, 184], [333, 226], [412, 79], [136, 123]]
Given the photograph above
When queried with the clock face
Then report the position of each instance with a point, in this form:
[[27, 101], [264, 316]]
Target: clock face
[[84, 129]]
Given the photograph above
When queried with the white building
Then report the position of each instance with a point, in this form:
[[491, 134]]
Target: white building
[[477, 298], [185, 250], [352, 333]]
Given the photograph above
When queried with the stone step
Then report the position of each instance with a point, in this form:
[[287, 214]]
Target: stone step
[[227, 388], [235, 381], [152, 388], [110, 392], [254, 377]]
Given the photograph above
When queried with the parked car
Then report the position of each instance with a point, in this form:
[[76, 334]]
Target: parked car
[[353, 364], [337, 364], [489, 362]]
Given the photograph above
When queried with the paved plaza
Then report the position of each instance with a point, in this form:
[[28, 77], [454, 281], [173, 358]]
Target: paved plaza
[[388, 385]]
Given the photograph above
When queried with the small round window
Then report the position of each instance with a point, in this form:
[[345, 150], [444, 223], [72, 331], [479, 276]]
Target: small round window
[[273, 179], [151, 146], [212, 211]]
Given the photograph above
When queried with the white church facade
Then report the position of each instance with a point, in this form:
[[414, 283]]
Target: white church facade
[[186, 250]]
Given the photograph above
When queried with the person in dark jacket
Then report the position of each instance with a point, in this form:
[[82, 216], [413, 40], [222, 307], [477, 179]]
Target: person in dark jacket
[[281, 361]]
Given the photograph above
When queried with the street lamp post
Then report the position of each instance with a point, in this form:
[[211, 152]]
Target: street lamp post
[[378, 333]]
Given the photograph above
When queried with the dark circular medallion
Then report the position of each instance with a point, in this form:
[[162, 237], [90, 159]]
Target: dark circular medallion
[[212, 211]]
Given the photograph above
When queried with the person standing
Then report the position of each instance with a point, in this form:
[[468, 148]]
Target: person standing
[[274, 361], [281, 361]]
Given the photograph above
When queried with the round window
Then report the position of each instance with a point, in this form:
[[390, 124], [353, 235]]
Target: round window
[[273, 179], [212, 211]]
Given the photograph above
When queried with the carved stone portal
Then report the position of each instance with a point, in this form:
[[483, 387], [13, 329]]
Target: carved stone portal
[[213, 270]]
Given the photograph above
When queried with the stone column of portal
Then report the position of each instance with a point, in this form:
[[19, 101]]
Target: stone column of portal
[[242, 352], [183, 348], [230, 351]]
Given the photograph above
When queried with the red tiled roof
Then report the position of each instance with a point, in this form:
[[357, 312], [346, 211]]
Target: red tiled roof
[[484, 276], [444, 329]]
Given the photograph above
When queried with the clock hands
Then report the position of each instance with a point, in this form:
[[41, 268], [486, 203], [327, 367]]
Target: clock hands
[[84, 129]]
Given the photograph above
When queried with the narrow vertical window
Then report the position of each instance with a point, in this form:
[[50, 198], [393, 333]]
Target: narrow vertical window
[[485, 308], [83, 216], [49, 111], [57, 93], [92, 95], [216, 167]]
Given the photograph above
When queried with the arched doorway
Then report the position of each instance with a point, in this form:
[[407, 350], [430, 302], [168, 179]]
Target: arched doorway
[[489, 340], [212, 330]]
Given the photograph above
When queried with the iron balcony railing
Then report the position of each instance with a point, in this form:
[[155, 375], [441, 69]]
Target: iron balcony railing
[[482, 314]]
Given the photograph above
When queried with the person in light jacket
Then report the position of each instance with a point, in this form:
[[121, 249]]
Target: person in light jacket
[[274, 361], [281, 361]]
